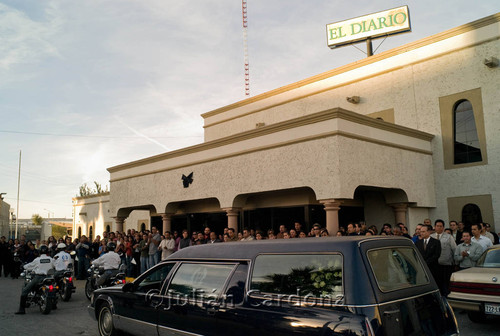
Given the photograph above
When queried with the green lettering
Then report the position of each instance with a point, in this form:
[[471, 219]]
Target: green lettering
[[390, 19], [364, 26], [340, 32], [403, 18], [333, 34], [381, 21], [372, 24], [336, 33], [359, 28]]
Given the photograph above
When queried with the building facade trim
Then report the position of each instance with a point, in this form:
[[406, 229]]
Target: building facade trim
[[335, 113], [352, 119]]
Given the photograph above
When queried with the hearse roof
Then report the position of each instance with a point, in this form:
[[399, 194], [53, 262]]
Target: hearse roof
[[249, 249]]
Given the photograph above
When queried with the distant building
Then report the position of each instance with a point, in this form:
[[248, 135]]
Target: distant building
[[404, 135], [5, 218], [91, 216]]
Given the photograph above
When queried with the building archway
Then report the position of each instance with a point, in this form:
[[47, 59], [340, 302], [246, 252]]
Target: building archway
[[195, 215], [471, 214]]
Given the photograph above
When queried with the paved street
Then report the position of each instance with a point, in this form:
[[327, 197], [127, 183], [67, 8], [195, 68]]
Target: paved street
[[71, 318]]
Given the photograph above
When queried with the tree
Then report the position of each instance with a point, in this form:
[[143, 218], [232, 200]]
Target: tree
[[37, 219], [59, 231], [85, 190]]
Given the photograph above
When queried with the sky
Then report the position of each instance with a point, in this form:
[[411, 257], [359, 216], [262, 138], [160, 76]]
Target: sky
[[87, 85]]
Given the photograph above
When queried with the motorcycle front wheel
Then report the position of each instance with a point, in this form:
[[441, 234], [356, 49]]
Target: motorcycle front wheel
[[45, 304], [88, 289]]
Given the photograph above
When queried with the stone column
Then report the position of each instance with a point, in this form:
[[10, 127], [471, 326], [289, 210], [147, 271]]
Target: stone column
[[232, 218], [332, 207], [400, 210], [119, 223], [167, 221]]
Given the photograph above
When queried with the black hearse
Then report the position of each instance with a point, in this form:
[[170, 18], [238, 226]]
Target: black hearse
[[313, 286]]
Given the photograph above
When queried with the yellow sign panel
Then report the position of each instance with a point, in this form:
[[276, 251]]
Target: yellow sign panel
[[392, 21]]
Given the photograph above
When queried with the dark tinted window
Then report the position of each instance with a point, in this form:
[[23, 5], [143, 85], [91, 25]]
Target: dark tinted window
[[153, 279], [397, 268], [467, 147], [201, 280], [310, 274], [236, 287]]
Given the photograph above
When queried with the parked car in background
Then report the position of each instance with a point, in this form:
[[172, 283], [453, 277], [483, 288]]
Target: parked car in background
[[477, 289], [316, 286]]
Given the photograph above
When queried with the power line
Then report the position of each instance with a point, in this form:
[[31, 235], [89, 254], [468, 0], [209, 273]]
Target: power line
[[42, 202], [98, 136]]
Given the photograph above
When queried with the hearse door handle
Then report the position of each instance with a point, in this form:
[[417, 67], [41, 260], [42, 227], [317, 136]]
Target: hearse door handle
[[213, 309], [394, 312], [391, 312]]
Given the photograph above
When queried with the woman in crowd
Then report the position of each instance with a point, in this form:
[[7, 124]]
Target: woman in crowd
[[129, 255]]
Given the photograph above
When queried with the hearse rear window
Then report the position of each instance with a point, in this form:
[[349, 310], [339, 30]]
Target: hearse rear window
[[313, 275], [396, 268]]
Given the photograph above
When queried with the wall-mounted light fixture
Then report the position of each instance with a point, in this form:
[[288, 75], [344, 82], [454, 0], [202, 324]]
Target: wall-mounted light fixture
[[353, 99], [491, 62]]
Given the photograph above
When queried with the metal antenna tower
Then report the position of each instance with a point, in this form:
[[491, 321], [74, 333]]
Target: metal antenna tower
[[245, 46]]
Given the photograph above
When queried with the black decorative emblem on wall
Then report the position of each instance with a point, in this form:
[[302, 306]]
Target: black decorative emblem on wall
[[187, 180]]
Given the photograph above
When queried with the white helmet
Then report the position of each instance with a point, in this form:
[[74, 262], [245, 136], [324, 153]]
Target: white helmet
[[61, 246]]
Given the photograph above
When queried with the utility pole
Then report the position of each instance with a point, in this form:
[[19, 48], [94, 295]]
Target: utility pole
[[18, 187]]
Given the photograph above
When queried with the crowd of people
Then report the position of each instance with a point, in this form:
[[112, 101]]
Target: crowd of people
[[445, 250]]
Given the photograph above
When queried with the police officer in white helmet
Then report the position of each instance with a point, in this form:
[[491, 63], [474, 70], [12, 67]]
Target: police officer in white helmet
[[62, 260], [41, 266]]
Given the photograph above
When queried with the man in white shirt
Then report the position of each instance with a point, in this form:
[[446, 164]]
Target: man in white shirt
[[487, 234], [478, 238], [166, 246], [41, 267], [110, 261], [468, 252], [446, 258]]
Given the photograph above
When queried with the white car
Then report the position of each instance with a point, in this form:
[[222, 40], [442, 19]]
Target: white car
[[477, 289]]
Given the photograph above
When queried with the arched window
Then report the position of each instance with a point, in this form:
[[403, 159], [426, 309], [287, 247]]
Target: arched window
[[108, 229], [143, 227], [79, 232], [91, 233], [467, 148], [471, 214]]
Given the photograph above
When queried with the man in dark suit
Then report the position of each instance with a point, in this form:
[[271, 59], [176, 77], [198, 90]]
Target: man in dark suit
[[430, 248], [213, 238]]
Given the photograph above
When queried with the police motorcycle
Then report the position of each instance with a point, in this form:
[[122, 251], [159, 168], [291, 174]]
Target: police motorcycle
[[65, 285], [65, 279], [96, 272], [44, 294]]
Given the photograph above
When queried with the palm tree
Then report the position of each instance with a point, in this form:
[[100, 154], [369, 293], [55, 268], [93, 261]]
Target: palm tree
[[37, 219]]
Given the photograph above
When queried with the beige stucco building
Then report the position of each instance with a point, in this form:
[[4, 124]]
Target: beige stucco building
[[91, 216], [408, 134], [5, 218]]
